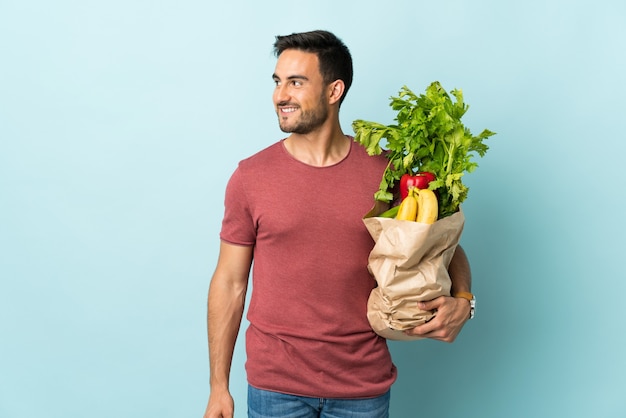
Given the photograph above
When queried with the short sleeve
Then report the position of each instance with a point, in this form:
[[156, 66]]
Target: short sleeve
[[238, 225]]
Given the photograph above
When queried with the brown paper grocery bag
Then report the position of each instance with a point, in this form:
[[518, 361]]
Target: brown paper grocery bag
[[410, 264]]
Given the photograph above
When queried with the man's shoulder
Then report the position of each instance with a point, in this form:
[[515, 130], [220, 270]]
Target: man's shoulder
[[360, 152], [265, 156]]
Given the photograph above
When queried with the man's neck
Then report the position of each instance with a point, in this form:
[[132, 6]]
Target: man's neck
[[321, 148]]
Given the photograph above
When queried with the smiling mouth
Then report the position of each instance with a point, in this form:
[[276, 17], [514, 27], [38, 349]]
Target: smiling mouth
[[286, 108]]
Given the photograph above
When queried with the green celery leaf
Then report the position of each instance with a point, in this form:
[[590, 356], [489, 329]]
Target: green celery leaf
[[428, 136]]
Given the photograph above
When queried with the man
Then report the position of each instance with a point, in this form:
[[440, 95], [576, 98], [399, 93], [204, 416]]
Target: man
[[296, 209]]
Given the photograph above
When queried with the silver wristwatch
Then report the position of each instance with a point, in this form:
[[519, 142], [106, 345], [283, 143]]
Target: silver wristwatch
[[472, 307]]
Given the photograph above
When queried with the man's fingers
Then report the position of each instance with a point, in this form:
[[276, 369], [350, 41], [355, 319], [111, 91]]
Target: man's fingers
[[430, 305]]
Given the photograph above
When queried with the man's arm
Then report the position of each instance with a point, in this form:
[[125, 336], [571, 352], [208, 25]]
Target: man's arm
[[227, 294], [460, 272], [452, 313]]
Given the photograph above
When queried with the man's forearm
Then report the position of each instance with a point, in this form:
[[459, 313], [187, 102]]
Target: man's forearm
[[225, 310], [460, 272]]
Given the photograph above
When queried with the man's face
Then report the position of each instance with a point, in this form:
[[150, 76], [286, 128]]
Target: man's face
[[299, 96]]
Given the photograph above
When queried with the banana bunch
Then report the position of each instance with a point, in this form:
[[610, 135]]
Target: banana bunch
[[420, 205]]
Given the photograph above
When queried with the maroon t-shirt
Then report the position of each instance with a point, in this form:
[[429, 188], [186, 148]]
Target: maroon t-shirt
[[309, 334]]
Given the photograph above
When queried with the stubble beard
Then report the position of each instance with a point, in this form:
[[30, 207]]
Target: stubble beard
[[308, 121]]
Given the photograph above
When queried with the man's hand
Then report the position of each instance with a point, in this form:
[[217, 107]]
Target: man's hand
[[221, 405], [452, 313]]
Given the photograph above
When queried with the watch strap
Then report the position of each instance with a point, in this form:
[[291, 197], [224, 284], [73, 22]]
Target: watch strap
[[472, 300], [465, 295]]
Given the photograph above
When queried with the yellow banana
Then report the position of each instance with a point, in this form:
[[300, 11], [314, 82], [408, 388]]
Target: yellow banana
[[427, 206], [408, 207]]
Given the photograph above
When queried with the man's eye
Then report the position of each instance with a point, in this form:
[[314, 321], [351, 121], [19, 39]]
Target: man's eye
[[297, 83]]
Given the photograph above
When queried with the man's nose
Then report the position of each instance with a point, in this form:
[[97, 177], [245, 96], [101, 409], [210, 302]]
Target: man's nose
[[281, 94]]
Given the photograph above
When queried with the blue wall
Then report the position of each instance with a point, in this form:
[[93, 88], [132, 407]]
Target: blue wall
[[120, 122]]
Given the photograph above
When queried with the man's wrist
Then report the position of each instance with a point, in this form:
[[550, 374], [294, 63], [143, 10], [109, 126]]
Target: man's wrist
[[472, 301]]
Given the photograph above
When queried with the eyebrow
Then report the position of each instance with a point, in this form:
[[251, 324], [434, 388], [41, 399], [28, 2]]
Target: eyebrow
[[291, 77]]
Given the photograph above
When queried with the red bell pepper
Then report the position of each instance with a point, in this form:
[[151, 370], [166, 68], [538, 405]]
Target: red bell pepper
[[419, 181]]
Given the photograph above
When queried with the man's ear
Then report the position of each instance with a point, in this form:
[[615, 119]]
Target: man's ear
[[336, 90]]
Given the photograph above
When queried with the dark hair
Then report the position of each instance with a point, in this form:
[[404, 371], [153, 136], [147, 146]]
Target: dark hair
[[334, 57]]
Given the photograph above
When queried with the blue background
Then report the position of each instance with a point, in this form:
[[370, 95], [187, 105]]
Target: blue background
[[120, 122]]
